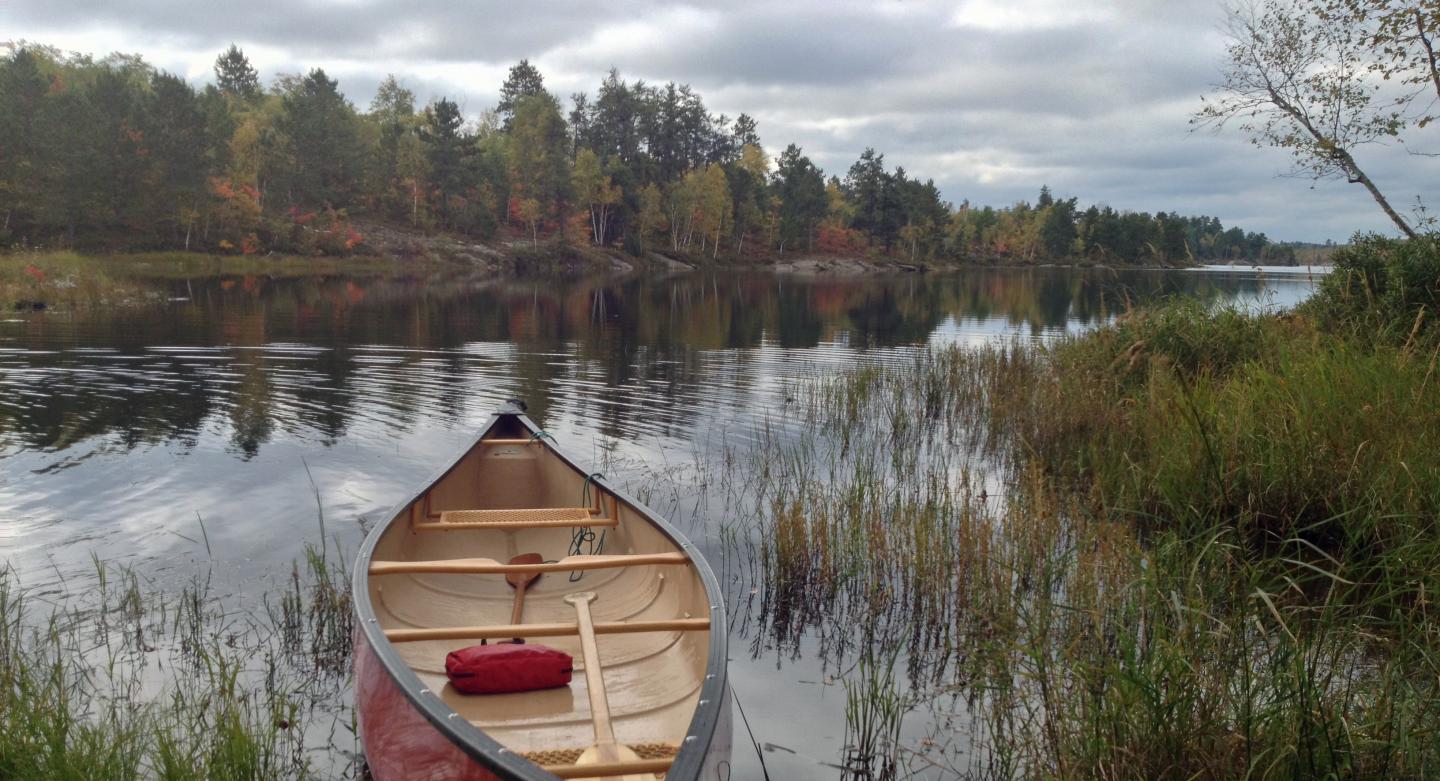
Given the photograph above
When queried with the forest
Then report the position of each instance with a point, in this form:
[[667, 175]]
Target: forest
[[115, 155]]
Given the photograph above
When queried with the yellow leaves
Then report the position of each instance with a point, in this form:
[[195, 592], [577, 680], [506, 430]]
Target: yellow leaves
[[754, 161]]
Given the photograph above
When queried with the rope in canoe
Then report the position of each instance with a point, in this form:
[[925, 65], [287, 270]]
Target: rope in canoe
[[585, 541]]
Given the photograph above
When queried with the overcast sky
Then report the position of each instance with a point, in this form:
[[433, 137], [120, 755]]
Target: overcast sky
[[991, 98]]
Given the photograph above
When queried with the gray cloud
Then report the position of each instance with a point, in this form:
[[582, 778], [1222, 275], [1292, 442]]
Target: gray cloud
[[990, 98]]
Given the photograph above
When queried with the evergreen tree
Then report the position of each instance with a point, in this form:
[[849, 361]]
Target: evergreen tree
[[445, 150], [801, 189], [614, 130], [869, 187], [177, 143], [744, 132], [234, 76], [581, 113], [324, 161], [22, 90], [524, 80], [1058, 233]]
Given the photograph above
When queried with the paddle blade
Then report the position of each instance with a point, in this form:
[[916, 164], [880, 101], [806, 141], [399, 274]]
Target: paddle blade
[[604, 755], [524, 579]]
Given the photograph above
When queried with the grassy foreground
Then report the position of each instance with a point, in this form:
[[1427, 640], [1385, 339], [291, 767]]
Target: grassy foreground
[[119, 681], [1192, 544]]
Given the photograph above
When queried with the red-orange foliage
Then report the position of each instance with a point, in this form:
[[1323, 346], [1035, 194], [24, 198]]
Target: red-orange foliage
[[833, 239], [577, 227], [513, 209]]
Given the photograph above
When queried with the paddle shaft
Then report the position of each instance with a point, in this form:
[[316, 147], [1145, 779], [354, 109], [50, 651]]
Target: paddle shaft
[[520, 581], [519, 605], [594, 678]]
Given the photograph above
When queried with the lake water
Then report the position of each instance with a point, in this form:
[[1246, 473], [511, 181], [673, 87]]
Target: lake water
[[123, 431]]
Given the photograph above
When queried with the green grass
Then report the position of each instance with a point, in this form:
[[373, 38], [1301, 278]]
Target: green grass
[[117, 681]]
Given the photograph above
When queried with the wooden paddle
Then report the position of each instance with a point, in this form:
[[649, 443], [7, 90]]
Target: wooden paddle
[[521, 581], [605, 751]]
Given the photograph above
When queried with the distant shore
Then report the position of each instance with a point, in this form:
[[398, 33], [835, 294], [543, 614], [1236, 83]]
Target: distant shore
[[42, 278]]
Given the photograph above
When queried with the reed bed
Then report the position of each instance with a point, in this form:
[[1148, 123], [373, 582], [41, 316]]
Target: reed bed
[[115, 680], [1196, 543]]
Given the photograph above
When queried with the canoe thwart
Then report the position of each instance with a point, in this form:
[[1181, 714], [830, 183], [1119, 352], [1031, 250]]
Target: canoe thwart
[[493, 567], [544, 630]]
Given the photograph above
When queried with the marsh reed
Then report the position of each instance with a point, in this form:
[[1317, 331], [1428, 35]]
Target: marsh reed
[[114, 679], [1196, 543]]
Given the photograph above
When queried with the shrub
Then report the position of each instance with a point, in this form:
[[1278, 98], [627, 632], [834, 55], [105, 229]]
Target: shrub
[[1384, 289]]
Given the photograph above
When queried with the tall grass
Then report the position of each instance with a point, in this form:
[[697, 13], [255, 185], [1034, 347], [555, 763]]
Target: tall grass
[[115, 681], [875, 709], [1383, 290], [1194, 544]]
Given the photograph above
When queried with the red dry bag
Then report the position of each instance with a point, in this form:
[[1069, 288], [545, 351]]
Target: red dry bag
[[507, 667]]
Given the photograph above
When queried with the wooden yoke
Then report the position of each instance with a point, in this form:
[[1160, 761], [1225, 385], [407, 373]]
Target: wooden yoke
[[605, 751]]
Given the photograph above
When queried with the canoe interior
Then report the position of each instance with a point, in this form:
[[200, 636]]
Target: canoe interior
[[652, 679]]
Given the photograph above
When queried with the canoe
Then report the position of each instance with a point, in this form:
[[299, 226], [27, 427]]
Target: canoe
[[617, 584]]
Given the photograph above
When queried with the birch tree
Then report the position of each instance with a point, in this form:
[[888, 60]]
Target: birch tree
[[1309, 76], [594, 189]]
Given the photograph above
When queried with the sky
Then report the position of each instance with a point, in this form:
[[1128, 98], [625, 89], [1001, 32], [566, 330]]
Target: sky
[[990, 98]]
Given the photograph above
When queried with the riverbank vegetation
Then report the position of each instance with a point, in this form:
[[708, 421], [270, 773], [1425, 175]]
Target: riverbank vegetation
[[35, 281], [1194, 543], [114, 155], [124, 680]]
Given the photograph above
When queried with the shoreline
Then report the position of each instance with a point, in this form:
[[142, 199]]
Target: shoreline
[[42, 279]]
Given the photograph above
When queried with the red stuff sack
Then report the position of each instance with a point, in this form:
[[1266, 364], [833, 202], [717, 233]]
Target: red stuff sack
[[507, 667]]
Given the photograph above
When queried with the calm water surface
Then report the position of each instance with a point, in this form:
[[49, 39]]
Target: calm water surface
[[122, 431]]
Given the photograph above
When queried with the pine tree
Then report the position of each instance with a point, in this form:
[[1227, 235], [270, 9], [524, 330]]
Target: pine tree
[[801, 189], [524, 80], [324, 162], [234, 76], [445, 151]]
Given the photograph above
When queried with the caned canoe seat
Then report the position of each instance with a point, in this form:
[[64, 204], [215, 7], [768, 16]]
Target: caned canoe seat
[[493, 567], [528, 518]]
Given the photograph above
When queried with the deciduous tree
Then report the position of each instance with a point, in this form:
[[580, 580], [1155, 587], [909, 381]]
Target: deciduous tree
[[1302, 77]]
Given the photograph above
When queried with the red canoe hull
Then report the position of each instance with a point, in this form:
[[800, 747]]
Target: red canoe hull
[[400, 744]]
